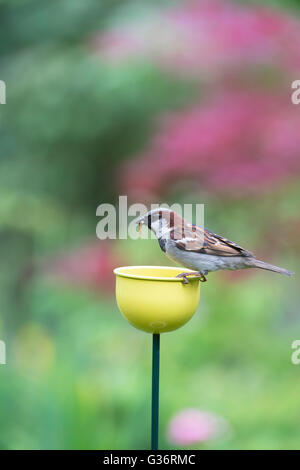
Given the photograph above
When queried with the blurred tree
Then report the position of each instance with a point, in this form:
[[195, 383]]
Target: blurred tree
[[71, 118]]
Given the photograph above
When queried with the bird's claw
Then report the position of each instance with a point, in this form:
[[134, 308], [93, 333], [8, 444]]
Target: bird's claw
[[196, 273]]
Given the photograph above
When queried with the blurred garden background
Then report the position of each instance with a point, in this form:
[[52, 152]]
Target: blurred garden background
[[163, 101]]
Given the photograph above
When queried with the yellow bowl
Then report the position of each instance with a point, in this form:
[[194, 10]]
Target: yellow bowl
[[152, 299]]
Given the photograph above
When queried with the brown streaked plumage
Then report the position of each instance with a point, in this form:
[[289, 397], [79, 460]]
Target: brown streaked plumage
[[204, 241]]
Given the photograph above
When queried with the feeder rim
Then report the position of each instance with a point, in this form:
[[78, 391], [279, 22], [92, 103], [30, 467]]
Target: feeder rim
[[118, 272]]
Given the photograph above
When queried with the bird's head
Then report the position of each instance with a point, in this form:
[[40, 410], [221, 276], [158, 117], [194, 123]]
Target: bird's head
[[160, 221]]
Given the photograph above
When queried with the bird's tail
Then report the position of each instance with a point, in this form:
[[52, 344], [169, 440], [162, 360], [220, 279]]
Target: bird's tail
[[270, 267]]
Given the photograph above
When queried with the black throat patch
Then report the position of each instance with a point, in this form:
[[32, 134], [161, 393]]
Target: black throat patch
[[162, 243]]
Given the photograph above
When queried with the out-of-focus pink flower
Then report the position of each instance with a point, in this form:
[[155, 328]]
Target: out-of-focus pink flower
[[116, 46], [207, 36], [89, 266], [192, 426], [235, 142]]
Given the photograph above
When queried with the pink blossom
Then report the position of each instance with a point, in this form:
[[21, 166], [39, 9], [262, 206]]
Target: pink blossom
[[91, 265], [236, 141], [192, 426], [207, 36]]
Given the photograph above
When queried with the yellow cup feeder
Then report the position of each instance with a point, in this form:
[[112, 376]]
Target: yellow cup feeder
[[152, 299]]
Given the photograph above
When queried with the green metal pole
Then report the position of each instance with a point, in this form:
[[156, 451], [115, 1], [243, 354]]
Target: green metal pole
[[155, 392]]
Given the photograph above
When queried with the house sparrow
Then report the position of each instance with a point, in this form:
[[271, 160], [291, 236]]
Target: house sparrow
[[199, 249]]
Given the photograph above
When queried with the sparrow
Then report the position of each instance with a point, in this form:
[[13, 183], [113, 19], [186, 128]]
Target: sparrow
[[199, 249]]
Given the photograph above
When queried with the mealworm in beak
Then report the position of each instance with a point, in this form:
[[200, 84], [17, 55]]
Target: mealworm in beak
[[140, 225]]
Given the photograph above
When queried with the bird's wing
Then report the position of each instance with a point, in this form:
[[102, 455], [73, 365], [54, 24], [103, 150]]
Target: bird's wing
[[193, 238]]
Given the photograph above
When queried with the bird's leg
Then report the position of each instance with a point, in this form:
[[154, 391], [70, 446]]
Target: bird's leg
[[203, 276], [194, 273]]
